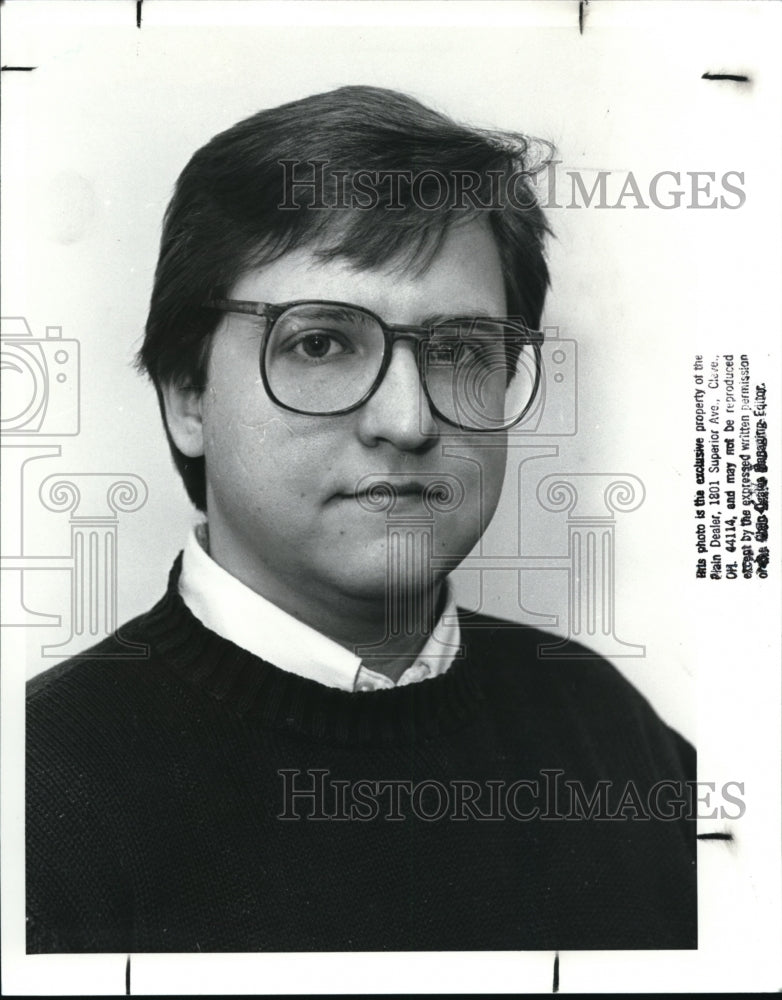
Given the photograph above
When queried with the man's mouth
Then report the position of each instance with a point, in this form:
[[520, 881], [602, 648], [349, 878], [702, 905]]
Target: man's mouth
[[400, 489], [383, 494]]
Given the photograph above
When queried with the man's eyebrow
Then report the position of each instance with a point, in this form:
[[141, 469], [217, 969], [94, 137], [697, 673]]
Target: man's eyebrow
[[435, 318], [334, 310]]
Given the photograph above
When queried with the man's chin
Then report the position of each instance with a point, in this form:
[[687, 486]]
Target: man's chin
[[373, 589], [394, 586]]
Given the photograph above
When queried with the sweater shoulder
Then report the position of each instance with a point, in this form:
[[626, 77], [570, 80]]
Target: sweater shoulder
[[566, 685], [125, 649], [96, 695], [526, 653]]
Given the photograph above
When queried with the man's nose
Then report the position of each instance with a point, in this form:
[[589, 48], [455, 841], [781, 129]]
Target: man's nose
[[399, 411]]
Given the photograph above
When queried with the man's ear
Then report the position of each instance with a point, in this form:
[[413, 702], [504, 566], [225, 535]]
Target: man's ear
[[183, 406]]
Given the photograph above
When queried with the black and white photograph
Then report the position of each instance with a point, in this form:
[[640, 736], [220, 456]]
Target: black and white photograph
[[390, 497]]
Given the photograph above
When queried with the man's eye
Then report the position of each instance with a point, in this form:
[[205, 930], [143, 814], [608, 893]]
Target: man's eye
[[318, 346]]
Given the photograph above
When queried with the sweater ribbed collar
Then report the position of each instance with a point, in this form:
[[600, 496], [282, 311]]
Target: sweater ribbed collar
[[232, 609], [260, 691]]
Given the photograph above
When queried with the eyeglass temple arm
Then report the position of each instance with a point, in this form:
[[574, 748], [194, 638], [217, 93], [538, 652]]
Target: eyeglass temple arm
[[241, 306]]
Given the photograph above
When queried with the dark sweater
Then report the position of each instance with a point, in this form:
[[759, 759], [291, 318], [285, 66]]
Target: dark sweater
[[154, 794]]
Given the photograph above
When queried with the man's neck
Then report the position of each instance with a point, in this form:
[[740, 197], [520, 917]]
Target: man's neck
[[363, 624]]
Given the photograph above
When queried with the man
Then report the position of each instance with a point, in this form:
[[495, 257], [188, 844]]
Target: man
[[319, 752]]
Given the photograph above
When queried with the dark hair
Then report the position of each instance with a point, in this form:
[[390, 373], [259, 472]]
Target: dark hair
[[225, 216]]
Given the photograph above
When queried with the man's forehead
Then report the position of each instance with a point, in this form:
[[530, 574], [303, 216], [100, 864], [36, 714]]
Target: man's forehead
[[464, 276]]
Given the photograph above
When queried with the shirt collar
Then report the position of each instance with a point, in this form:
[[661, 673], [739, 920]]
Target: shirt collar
[[234, 611]]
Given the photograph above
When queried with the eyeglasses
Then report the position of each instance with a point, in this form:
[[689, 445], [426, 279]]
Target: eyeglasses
[[326, 358]]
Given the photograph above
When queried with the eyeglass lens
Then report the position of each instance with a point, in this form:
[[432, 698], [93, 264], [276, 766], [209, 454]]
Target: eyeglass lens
[[322, 358]]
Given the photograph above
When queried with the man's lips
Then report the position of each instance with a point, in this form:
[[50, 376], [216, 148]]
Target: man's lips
[[383, 489], [437, 492]]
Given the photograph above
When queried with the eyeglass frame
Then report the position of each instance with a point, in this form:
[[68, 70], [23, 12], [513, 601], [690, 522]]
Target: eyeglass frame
[[392, 333]]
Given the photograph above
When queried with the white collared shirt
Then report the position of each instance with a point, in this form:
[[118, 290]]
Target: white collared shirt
[[235, 612]]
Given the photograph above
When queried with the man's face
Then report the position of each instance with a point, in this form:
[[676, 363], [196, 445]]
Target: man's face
[[284, 503]]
